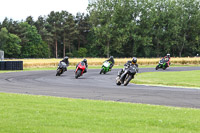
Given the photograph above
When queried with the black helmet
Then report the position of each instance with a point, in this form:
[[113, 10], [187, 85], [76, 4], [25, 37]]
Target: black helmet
[[85, 60], [134, 60]]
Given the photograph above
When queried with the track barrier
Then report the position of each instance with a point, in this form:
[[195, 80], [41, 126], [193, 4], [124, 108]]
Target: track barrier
[[11, 65]]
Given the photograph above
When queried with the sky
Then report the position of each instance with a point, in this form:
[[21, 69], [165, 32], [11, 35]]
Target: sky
[[20, 9]]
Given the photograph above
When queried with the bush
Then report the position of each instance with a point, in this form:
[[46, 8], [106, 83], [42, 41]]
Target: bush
[[82, 52]]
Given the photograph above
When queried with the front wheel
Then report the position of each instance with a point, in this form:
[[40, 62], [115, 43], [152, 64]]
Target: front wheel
[[127, 80], [78, 74], [157, 67], [118, 82], [101, 71], [58, 73]]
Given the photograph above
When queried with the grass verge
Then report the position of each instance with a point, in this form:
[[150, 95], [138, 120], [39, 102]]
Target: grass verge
[[90, 67], [182, 78], [27, 113]]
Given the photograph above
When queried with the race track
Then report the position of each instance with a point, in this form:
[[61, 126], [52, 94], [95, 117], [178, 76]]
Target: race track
[[92, 85]]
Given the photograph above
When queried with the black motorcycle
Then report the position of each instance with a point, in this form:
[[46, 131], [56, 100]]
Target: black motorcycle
[[126, 77], [62, 66]]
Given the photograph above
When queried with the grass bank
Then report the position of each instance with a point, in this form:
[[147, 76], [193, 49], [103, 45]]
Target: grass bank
[[26, 113], [182, 78]]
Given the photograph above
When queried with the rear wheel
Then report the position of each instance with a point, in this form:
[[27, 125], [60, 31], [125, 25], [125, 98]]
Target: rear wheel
[[78, 74], [127, 80]]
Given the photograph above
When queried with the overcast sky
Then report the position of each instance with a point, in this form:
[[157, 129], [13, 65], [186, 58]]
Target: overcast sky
[[20, 9]]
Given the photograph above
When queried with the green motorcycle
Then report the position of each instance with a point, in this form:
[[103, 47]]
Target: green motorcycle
[[162, 64], [105, 67]]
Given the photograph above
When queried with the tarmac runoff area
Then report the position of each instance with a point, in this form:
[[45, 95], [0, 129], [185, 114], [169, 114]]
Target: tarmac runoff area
[[94, 86]]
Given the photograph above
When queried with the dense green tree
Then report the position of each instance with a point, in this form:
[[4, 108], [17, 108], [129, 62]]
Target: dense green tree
[[47, 36], [83, 27], [32, 45], [30, 20], [54, 27], [122, 28], [9, 43], [69, 31]]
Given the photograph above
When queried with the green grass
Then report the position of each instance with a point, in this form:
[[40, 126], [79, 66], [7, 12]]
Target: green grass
[[26, 114], [182, 78]]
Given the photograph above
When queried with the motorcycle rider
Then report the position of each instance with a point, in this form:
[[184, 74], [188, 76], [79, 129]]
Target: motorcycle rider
[[112, 62], [66, 61], [167, 59], [132, 63], [85, 62]]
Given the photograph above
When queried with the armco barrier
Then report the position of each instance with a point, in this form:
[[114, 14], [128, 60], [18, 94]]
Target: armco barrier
[[2, 65], [11, 65]]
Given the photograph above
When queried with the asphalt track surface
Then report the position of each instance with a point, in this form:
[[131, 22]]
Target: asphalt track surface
[[92, 85]]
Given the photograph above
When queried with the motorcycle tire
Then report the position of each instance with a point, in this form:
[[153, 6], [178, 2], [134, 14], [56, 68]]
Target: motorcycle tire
[[78, 74], [118, 81], [101, 71], [58, 72], [127, 80], [157, 67]]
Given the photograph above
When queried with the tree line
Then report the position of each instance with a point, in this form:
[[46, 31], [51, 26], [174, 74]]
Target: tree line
[[122, 28]]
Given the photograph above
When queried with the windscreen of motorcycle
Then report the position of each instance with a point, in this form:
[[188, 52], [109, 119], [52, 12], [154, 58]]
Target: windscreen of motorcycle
[[63, 64], [106, 64]]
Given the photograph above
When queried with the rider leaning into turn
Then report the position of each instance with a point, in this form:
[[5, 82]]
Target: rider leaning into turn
[[133, 63], [112, 62], [86, 65], [167, 59], [65, 60]]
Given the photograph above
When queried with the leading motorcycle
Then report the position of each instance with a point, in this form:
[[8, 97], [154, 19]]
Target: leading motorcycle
[[62, 66], [127, 76]]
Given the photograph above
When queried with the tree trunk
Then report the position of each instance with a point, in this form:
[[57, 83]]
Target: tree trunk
[[180, 54], [79, 43], [108, 49], [49, 49], [56, 49], [158, 49], [181, 50], [64, 47], [69, 47]]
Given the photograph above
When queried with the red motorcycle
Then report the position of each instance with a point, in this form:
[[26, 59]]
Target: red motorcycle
[[80, 69]]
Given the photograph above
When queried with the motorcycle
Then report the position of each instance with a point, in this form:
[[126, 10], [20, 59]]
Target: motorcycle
[[80, 69], [105, 67], [163, 64], [127, 76], [62, 66]]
